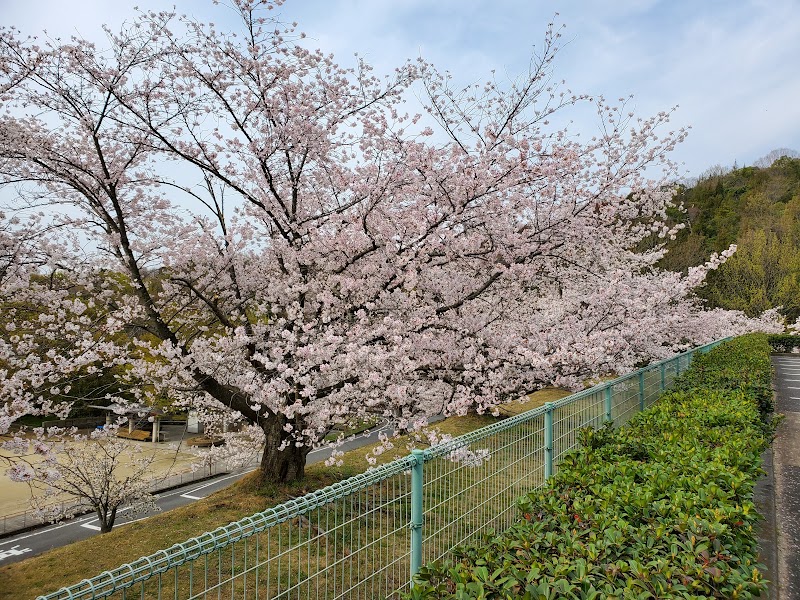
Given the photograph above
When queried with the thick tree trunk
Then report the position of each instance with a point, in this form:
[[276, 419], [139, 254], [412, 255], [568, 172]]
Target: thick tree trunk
[[285, 465], [281, 465]]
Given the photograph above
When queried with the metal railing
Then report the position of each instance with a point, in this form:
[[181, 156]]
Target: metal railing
[[364, 537], [27, 519]]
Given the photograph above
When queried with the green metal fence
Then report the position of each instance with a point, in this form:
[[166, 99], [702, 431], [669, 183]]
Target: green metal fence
[[365, 536]]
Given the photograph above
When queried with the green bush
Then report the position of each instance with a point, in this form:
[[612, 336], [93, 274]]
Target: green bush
[[784, 342], [660, 508], [742, 365]]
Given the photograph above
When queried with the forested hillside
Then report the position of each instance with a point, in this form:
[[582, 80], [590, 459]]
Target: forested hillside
[[759, 210]]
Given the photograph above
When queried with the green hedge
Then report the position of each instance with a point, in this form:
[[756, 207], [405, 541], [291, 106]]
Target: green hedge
[[660, 508], [784, 342]]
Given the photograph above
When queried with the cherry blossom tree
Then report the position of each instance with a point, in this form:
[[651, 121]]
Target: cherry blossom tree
[[67, 471], [340, 256]]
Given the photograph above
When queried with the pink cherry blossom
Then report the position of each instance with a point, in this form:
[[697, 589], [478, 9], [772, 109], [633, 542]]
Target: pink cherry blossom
[[245, 228]]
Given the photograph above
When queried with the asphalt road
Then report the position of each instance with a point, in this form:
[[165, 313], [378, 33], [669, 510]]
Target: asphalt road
[[786, 469], [33, 542]]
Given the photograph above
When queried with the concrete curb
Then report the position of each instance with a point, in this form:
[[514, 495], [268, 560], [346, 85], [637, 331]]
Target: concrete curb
[[764, 497]]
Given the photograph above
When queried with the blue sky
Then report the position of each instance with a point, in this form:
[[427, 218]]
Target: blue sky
[[732, 66]]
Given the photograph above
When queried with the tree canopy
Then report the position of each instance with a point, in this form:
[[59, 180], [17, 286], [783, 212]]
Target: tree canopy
[[292, 244]]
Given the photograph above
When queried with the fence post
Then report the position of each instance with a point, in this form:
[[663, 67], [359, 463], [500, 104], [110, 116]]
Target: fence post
[[641, 390], [663, 374], [416, 511], [548, 440], [608, 403]]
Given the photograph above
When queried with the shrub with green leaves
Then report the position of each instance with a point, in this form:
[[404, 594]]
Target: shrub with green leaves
[[784, 342], [660, 508]]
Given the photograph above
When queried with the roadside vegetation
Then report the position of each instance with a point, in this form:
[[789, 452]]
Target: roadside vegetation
[[785, 343], [660, 508]]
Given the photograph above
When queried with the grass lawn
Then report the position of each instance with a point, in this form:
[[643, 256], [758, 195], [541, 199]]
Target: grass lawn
[[68, 565]]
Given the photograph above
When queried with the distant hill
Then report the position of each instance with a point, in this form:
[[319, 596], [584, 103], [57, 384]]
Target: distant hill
[[757, 208]]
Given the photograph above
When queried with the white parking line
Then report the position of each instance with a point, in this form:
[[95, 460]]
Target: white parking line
[[92, 527], [190, 493], [13, 551], [47, 530], [135, 520]]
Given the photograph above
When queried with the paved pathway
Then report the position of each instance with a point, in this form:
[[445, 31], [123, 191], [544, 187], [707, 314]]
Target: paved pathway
[[786, 475]]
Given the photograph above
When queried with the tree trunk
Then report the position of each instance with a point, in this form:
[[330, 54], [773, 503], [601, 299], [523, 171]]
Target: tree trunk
[[106, 519], [281, 466]]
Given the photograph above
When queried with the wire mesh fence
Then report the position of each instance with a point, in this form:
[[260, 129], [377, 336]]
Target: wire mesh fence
[[364, 537], [470, 489]]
